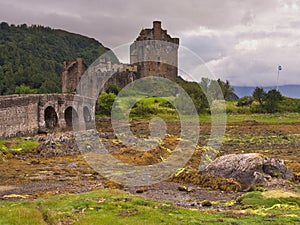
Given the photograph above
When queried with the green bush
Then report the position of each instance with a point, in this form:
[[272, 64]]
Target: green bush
[[166, 104], [105, 103], [142, 109], [24, 89], [113, 89], [257, 109], [245, 101], [289, 105], [194, 91]]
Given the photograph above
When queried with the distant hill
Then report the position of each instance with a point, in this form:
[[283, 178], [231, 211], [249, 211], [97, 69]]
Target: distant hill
[[34, 56], [292, 91]]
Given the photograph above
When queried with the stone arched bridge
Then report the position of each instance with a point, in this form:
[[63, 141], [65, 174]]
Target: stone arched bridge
[[29, 114]]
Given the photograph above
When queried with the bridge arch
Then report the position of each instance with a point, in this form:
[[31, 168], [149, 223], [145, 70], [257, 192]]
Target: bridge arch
[[86, 114], [51, 119], [71, 117], [87, 117]]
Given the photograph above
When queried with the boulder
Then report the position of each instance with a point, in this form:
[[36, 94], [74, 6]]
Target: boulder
[[249, 169]]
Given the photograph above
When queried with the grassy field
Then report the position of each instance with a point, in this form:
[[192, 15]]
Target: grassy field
[[118, 207], [278, 118], [154, 106]]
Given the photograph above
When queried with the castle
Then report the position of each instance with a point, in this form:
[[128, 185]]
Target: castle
[[153, 53]]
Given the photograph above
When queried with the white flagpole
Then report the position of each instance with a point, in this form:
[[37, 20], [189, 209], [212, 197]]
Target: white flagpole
[[278, 68]]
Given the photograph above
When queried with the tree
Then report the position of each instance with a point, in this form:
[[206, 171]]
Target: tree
[[273, 97], [23, 89], [32, 55], [259, 95], [50, 86], [195, 92], [218, 89], [227, 90], [204, 84]]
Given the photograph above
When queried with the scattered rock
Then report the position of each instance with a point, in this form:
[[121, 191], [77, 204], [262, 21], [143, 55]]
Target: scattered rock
[[15, 196], [57, 144], [206, 203], [249, 169], [141, 190], [35, 162], [182, 188]]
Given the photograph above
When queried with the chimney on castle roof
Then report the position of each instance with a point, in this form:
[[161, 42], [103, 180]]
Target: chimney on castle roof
[[157, 30]]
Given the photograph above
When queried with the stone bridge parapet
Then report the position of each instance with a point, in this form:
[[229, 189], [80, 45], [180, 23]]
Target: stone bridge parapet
[[33, 113]]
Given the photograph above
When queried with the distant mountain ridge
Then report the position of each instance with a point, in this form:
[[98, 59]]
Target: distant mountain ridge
[[292, 90], [34, 56]]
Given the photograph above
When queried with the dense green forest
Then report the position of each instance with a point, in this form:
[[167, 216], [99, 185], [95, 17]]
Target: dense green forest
[[33, 56]]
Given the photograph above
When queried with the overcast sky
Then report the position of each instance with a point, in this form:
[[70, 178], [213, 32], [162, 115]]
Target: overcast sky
[[243, 41]]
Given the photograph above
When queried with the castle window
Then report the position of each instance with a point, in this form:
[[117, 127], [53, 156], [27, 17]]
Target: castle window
[[158, 61]]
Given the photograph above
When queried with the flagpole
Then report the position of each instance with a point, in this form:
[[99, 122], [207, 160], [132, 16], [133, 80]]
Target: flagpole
[[278, 68]]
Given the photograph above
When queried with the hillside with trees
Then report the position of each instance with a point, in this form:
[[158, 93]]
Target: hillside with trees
[[31, 57]]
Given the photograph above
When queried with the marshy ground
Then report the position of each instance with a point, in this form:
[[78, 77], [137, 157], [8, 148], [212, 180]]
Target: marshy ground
[[34, 175]]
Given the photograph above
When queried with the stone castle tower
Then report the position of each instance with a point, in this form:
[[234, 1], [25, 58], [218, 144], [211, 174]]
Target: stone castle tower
[[72, 74], [155, 53]]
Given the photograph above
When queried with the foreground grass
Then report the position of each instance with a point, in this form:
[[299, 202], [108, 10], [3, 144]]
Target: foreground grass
[[117, 207]]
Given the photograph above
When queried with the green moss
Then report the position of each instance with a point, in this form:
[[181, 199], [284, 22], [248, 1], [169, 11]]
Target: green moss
[[17, 145]]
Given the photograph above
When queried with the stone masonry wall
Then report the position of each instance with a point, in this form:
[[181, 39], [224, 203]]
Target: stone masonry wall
[[18, 115], [29, 114]]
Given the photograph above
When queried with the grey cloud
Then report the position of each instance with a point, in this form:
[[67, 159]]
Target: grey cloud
[[295, 24], [117, 22], [207, 47]]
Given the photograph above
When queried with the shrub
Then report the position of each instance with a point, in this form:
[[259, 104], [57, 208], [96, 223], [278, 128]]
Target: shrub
[[113, 89], [105, 103], [24, 89], [245, 101], [142, 109], [167, 104], [273, 97]]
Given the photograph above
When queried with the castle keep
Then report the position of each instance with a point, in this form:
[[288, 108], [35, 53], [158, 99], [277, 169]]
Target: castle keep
[[155, 52]]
